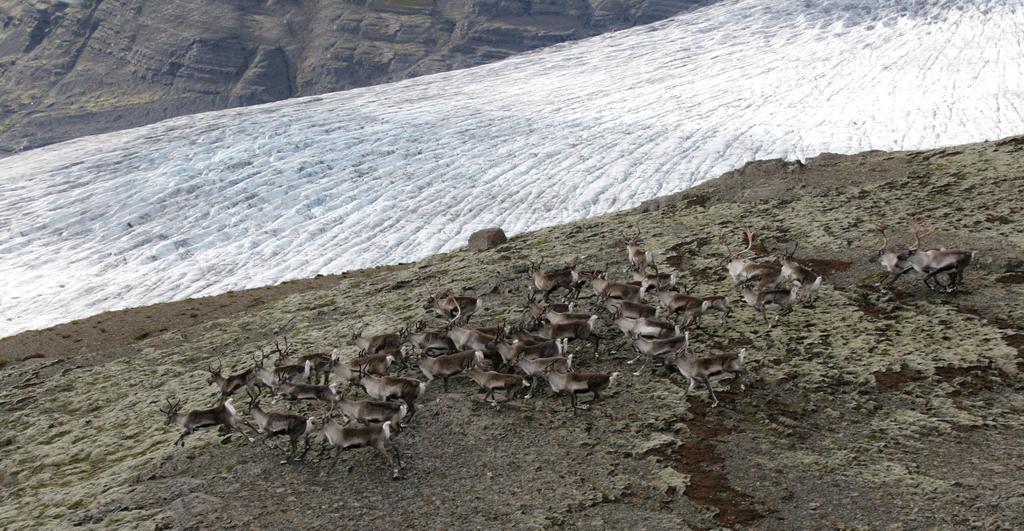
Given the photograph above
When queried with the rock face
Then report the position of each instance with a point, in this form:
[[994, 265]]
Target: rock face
[[79, 67], [485, 239]]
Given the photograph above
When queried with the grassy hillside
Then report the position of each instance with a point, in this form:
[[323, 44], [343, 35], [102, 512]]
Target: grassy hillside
[[867, 409]]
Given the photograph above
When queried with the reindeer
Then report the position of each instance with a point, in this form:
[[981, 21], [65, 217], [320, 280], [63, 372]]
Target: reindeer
[[430, 343], [701, 370], [378, 343], [223, 415], [351, 372], [366, 411], [451, 307], [577, 383], [341, 438], [273, 424], [494, 381], [323, 393], [270, 378], [393, 388], [607, 289], [648, 348], [716, 302], [657, 281], [554, 317], [782, 299], [691, 307], [647, 328], [803, 278], [745, 272], [934, 261], [320, 362], [229, 385], [550, 281], [518, 349], [572, 330], [445, 366], [534, 312], [534, 367], [629, 310], [638, 259]]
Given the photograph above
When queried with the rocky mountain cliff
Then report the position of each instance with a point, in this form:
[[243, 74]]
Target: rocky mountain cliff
[[73, 68]]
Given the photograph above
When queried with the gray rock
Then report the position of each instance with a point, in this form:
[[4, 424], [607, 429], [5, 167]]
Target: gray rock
[[485, 239]]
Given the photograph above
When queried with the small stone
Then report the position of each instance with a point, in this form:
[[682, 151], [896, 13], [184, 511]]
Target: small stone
[[485, 239]]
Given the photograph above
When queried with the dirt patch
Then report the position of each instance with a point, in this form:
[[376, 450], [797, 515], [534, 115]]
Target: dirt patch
[[709, 486], [889, 381], [824, 266], [1011, 278]]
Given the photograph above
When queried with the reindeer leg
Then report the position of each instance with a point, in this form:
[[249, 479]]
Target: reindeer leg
[[334, 462], [580, 405], [533, 387], [181, 438], [445, 381], [693, 383], [743, 376], [711, 391], [647, 358]]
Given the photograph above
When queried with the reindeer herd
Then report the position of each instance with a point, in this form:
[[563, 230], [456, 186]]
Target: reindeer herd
[[514, 358]]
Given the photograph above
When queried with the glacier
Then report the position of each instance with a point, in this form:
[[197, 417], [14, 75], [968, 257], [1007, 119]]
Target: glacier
[[204, 204]]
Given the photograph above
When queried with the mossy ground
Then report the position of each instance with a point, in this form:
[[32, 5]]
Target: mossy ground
[[867, 409]]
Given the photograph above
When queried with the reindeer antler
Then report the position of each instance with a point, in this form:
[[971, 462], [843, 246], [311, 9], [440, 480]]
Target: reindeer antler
[[750, 239], [725, 241], [881, 225], [172, 407], [919, 234], [277, 347]]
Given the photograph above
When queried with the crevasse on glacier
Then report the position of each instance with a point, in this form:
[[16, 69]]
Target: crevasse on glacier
[[203, 204]]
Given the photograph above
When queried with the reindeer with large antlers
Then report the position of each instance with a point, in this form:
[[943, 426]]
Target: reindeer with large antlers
[[744, 271], [454, 308], [550, 281], [230, 384], [889, 257], [638, 258], [223, 415], [320, 362], [379, 343], [934, 261]]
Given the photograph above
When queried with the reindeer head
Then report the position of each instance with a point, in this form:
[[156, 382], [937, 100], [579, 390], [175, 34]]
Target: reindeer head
[[215, 374], [632, 241], [357, 334], [173, 408], [783, 256], [258, 362]]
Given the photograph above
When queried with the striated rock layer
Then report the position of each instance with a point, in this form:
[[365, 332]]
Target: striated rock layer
[[69, 69]]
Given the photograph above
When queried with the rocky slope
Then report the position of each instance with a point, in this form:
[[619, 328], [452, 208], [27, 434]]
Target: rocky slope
[[867, 409], [73, 68]]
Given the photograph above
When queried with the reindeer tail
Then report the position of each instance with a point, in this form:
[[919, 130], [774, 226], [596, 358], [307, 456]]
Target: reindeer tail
[[649, 257]]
